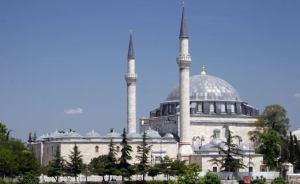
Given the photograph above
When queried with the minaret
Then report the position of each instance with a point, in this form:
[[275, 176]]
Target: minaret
[[131, 78], [184, 61]]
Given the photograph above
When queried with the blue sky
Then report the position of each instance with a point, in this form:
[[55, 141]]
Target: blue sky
[[62, 63]]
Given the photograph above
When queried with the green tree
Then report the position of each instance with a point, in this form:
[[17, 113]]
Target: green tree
[[3, 131], [125, 168], [230, 153], [8, 166], [177, 168], [15, 158], [270, 148], [27, 163], [297, 153], [55, 167], [112, 160], [292, 149], [273, 118], [86, 171], [143, 156], [74, 166], [165, 166], [98, 166], [154, 171]]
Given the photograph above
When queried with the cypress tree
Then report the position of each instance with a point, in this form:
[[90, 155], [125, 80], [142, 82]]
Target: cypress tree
[[143, 156], [112, 160], [297, 151], [231, 154], [291, 149], [74, 167], [55, 167], [124, 166]]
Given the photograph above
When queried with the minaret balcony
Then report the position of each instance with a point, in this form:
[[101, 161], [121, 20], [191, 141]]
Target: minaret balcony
[[184, 57], [131, 77], [184, 61]]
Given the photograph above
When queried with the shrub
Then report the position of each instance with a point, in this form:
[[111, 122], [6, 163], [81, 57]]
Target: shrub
[[260, 180], [210, 178], [6, 182], [278, 180], [28, 178]]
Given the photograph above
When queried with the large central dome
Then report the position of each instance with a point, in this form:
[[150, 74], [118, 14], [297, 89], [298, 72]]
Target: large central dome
[[207, 88]]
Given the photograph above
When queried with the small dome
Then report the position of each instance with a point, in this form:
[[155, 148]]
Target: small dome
[[56, 134], [297, 133], [134, 135], [152, 134], [71, 134], [92, 134], [169, 136], [207, 87], [114, 134]]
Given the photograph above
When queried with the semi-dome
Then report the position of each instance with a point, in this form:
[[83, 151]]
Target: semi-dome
[[207, 88]]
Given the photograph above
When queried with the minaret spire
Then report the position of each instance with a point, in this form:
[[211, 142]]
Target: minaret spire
[[131, 54], [183, 25], [131, 78]]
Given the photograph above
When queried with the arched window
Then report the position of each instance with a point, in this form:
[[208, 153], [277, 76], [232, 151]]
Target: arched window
[[223, 109], [96, 149], [232, 108], [211, 108], [199, 108]]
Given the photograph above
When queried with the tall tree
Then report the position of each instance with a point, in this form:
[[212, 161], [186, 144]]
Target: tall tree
[[55, 167], [112, 160], [74, 166], [231, 154], [3, 133], [165, 166], [99, 166], [297, 152], [177, 168], [154, 171], [15, 158], [125, 168], [8, 165], [273, 118], [270, 148], [143, 151], [292, 151]]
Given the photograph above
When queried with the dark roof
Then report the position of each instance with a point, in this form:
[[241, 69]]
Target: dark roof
[[131, 54]]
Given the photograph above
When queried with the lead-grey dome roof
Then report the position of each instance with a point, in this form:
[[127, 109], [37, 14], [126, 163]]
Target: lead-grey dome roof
[[207, 87]]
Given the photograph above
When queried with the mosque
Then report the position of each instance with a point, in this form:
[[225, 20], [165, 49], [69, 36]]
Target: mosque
[[191, 124]]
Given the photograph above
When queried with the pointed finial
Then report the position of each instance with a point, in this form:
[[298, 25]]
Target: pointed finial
[[203, 70], [131, 54], [183, 26]]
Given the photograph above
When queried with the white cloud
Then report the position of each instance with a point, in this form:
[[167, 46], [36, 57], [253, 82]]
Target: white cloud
[[297, 95], [73, 111]]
